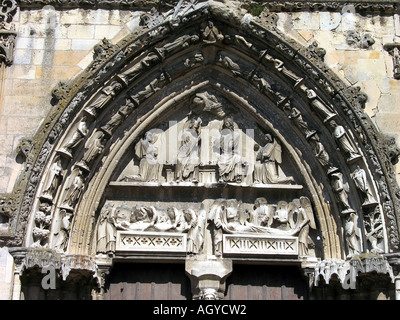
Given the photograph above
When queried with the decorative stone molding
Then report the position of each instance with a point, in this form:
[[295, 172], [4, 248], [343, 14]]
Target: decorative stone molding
[[130, 104], [7, 32], [394, 51], [382, 6], [348, 271]]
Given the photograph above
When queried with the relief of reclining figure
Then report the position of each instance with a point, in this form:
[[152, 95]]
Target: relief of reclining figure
[[289, 219]]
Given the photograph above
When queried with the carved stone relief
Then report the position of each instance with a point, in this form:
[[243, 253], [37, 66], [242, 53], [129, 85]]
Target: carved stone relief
[[236, 174]]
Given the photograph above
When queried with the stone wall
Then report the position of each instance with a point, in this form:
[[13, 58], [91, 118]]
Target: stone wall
[[55, 45]]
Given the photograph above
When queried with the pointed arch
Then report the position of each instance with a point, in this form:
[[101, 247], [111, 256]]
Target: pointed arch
[[253, 69]]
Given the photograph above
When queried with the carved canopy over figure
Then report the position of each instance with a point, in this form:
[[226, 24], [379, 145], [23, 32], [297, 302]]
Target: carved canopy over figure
[[268, 159]]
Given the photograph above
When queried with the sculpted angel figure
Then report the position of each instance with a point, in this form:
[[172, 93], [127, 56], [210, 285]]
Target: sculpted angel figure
[[304, 219], [268, 159]]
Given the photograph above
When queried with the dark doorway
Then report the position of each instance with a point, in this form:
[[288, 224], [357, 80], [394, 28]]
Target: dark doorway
[[258, 282], [148, 281]]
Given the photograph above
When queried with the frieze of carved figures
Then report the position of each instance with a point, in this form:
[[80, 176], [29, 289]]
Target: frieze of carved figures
[[285, 219], [147, 219]]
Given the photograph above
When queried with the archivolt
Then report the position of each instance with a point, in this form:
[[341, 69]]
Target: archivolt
[[150, 75]]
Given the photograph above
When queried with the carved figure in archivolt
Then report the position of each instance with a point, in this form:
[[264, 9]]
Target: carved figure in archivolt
[[322, 110], [280, 67], [210, 33], [107, 94], [344, 142], [360, 179], [74, 191], [321, 154], [268, 160], [61, 236], [188, 159], [53, 180], [178, 44], [205, 102], [76, 138], [119, 117], [230, 164], [374, 230], [93, 147], [352, 234], [341, 189], [295, 115], [152, 88], [133, 72], [106, 231]]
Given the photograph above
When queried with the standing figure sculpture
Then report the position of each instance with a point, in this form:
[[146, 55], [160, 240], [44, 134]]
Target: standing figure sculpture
[[268, 159], [343, 140], [106, 231], [360, 179], [188, 159]]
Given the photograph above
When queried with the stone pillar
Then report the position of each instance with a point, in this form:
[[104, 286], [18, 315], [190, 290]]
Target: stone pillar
[[394, 261], [18, 254], [208, 275], [104, 265], [6, 274]]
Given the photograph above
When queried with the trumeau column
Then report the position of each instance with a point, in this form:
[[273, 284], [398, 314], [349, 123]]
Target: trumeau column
[[19, 257], [208, 275]]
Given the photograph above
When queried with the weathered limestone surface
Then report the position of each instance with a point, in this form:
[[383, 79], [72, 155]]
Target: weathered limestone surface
[[56, 45]]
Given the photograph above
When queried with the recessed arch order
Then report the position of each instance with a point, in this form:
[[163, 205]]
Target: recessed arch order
[[250, 72]]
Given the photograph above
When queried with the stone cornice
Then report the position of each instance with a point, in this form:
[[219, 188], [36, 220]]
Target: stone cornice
[[360, 6]]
